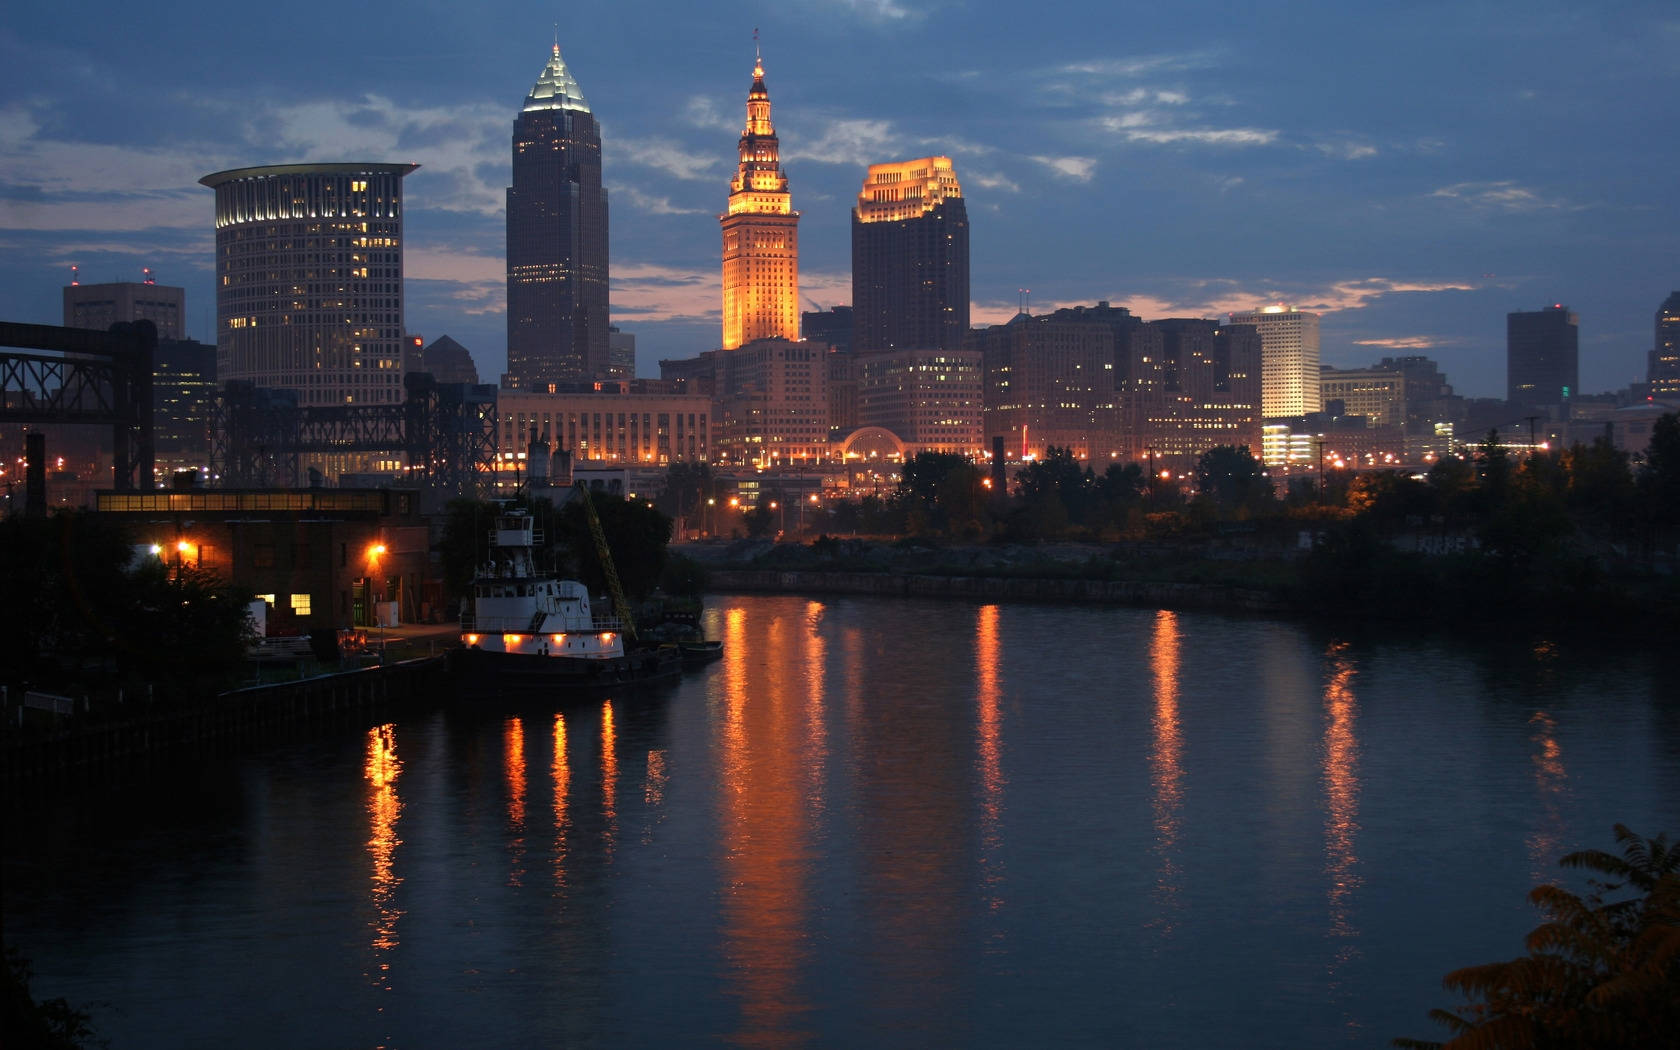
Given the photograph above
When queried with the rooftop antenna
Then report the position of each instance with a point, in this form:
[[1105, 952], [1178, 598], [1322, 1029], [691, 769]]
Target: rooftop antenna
[[1025, 299], [147, 270], [75, 275]]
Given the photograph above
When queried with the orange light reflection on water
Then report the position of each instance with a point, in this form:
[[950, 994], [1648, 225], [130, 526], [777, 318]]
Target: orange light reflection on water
[[765, 828], [513, 762], [384, 809], [561, 770], [987, 652], [1166, 767], [609, 780], [1551, 786], [1341, 795]]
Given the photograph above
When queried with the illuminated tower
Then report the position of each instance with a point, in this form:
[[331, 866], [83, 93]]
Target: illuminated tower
[[1664, 358], [1289, 376], [556, 238], [910, 258], [760, 235]]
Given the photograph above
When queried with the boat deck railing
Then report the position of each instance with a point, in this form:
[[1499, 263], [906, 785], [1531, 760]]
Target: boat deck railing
[[522, 625]]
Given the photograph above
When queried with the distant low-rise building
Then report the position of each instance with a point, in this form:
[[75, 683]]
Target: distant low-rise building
[[320, 558]]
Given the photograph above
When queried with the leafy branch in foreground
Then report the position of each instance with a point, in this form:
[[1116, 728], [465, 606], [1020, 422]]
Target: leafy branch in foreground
[[1603, 971]]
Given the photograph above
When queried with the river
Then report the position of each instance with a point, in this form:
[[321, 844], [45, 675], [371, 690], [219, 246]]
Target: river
[[875, 822]]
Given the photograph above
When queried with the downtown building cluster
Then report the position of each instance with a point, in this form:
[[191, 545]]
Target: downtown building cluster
[[309, 290]]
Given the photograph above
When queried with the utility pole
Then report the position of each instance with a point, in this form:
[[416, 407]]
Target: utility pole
[[1531, 445], [1322, 493]]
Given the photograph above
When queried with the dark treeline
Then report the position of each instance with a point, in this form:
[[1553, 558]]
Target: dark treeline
[[1571, 534], [82, 614]]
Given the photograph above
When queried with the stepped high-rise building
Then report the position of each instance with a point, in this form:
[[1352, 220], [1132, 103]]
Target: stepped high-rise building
[[1542, 357], [556, 239], [1663, 371], [760, 235], [1288, 360], [910, 258], [309, 280]]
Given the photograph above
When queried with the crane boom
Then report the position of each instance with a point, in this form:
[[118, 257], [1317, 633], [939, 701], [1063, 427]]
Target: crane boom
[[621, 605]]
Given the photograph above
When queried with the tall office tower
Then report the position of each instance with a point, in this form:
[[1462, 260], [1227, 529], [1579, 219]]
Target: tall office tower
[[1288, 360], [1542, 357], [556, 239], [1663, 371], [183, 403], [760, 235], [309, 280], [910, 258], [99, 306]]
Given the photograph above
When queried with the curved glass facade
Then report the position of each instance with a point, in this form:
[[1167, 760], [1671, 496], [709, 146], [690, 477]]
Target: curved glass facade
[[309, 280]]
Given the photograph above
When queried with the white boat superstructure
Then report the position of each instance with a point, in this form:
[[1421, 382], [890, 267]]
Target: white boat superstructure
[[516, 609]]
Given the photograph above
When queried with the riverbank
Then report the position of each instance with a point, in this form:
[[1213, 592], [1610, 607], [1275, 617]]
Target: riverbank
[[1357, 581], [47, 750], [1161, 594]]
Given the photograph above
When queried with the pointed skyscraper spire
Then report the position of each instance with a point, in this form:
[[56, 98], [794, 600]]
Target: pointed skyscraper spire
[[556, 88], [760, 232], [557, 275]]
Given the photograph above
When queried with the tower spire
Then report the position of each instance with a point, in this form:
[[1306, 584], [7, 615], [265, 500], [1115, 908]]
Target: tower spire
[[760, 231]]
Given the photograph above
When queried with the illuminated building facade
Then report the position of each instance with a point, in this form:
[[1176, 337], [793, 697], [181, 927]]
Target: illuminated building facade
[[183, 403], [1542, 357], [910, 258], [1663, 371], [1378, 394], [772, 403], [557, 315], [320, 557], [309, 280], [1049, 383], [1288, 360], [1204, 390], [99, 306], [608, 427], [760, 235], [930, 399]]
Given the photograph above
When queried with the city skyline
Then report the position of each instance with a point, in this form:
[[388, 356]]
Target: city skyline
[[1413, 177]]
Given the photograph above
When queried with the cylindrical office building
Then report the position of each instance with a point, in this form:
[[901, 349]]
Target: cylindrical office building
[[309, 280]]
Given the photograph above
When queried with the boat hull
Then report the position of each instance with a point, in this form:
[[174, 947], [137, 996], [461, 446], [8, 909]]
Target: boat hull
[[481, 674]]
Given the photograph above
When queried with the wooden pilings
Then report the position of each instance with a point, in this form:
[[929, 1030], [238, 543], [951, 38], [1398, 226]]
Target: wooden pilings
[[77, 749]]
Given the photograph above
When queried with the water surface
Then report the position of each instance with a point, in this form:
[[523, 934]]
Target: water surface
[[874, 822]]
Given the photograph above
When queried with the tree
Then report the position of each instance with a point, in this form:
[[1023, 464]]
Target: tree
[[637, 536], [943, 492], [51, 1024], [1232, 478], [1602, 972], [1053, 492], [687, 487], [79, 609], [1659, 479]]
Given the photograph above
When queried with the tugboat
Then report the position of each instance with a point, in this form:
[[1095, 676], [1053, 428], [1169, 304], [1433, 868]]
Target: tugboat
[[529, 633]]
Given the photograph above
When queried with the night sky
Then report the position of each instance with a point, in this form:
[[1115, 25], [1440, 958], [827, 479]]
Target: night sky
[[1413, 171]]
